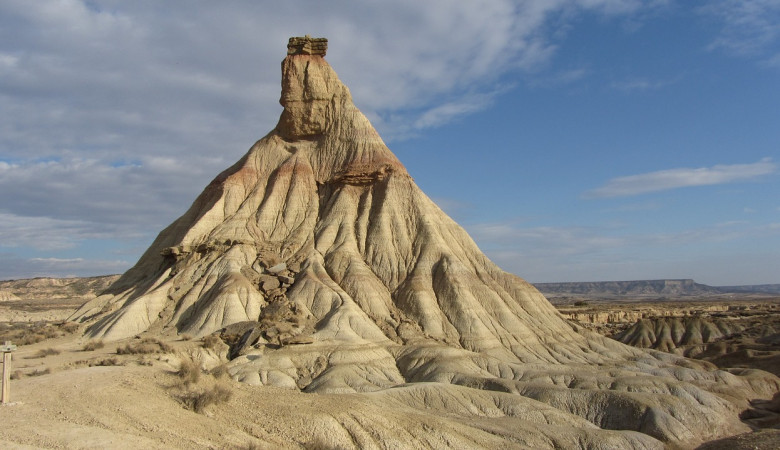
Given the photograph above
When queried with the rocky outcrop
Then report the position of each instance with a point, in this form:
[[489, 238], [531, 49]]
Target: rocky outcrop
[[307, 46], [346, 278], [629, 316], [742, 336], [670, 333]]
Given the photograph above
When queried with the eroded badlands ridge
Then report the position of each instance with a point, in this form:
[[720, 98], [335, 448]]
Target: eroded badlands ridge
[[341, 276]]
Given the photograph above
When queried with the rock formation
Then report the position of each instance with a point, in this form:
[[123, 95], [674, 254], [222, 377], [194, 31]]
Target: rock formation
[[738, 338], [336, 274], [671, 333]]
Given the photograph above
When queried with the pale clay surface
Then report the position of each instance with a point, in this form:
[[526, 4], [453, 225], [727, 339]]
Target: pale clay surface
[[405, 312]]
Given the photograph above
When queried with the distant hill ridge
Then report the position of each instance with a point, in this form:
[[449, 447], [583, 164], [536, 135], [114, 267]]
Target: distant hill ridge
[[670, 287], [48, 288]]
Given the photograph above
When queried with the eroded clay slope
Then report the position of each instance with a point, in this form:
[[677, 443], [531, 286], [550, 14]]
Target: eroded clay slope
[[338, 275]]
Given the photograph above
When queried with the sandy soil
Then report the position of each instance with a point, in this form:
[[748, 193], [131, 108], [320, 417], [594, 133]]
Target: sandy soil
[[138, 405]]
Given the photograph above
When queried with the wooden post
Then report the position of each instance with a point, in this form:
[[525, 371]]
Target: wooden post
[[7, 348]]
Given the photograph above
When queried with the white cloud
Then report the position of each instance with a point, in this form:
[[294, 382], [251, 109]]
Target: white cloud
[[685, 177], [116, 114], [42, 233], [749, 27], [447, 112], [93, 73], [119, 196], [93, 86]]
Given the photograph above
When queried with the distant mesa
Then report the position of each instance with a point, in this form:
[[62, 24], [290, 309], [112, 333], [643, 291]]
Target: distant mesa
[[667, 287], [649, 288], [330, 271]]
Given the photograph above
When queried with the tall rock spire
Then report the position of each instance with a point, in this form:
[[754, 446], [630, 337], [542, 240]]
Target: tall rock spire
[[347, 278], [309, 92]]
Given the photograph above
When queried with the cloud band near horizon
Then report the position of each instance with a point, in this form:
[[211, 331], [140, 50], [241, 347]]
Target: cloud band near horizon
[[663, 180]]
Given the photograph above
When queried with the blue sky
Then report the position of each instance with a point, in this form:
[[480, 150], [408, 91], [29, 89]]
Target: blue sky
[[574, 140]]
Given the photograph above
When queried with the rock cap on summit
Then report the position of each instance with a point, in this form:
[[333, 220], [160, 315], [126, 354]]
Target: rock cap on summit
[[307, 45]]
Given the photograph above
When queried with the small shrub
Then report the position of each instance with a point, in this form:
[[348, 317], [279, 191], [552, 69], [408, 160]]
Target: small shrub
[[39, 372], [189, 371], [44, 352], [198, 400], [581, 303], [69, 327], [17, 374], [33, 335], [185, 337], [93, 345], [212, 341], [47, 330], [29, 337], [145, 347], [24, 333], [113, 361], [164, 348]]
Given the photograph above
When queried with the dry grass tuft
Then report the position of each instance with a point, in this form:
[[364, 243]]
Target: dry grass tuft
[[24, 333], [93, 345], [144, 347], [44, 352], [189, 371], [113, 361], [39, 372], [198, 400], [69, 327]]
